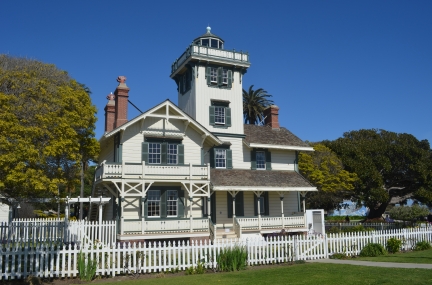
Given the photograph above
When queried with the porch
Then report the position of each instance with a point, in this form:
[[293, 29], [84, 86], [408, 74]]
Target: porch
[[128, 170]]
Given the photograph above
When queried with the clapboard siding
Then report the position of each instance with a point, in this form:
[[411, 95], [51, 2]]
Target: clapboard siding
[[107, 151], [131, 150], [233, 95], [282, 159]]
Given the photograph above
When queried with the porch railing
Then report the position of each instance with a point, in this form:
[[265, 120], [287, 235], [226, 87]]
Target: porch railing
[[167, 226], [272, 222], [237, 228], [141, 170]]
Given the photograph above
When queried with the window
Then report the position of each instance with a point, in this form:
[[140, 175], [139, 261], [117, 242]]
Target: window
[[219, 77], [213, 75], [172, 207], [260, 160], [172, 154], [220, 158], [153, 204], [165, 152], [154, 153], [220, 115], [263, 201], [164, 202]]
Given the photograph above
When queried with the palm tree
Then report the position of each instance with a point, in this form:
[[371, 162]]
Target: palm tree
[[254, 103]]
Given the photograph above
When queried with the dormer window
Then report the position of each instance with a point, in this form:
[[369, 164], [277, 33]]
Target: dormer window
[[260, 160]]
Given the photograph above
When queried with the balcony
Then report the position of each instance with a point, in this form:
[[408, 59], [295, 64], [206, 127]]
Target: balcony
[[127, 170], [205, 52]]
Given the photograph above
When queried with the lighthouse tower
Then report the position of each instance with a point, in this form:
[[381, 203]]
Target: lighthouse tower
[[209, 81]]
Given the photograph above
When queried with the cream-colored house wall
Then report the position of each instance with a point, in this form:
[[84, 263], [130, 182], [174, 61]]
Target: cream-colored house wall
[[207, 93]]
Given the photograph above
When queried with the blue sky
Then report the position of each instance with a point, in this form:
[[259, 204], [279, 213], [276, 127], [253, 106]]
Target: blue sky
[[331, 66]]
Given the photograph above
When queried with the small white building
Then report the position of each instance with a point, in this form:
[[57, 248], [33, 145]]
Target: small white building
[[194, 169]]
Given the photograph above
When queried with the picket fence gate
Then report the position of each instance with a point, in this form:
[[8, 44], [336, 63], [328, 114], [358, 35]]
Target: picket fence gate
[[54, 259]]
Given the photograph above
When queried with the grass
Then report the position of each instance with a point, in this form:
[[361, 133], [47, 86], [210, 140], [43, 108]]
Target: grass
[[310, 273], [424, 256]]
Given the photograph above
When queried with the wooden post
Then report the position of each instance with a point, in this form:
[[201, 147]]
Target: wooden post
[[233, 213], [142, 215], [259, 212], [190, 213], [282, 211], [121, 216]]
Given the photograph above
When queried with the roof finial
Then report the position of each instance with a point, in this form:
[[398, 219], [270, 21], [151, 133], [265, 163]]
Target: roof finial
[[208, 29]]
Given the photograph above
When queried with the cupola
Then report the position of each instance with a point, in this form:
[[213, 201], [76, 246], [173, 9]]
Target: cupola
[[209, 40]]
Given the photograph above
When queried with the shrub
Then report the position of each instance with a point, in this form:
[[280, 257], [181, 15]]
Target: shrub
[[338, 256], [393, 245], [358, 228], [372, 250], [422, 245], [232, 259], [334, 230], [86, 270]]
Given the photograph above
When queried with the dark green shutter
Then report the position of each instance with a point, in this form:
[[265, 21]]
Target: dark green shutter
[[163, 208], [212, 115], [268, 160], [181, 84], [266, 203], [181, 203], [203, 206], [180, 149], [239, 204], [219, 76], [120, 153], [145, 207], [212, 158], [144, 152], [253, 159], [213, 207], [230, 204], [163, 153], [228, 117], [230, 75], [229, 159], [208, 72]]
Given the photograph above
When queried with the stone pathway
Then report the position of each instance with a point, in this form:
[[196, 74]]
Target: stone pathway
[[372, 263]]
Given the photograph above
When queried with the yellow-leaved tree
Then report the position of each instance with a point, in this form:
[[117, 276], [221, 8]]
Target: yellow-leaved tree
[[47, 123], [325, 170]]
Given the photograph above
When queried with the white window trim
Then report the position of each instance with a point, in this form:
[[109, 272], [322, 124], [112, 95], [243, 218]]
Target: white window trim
[[160, 153], [160, 204], [263, 152], [224, 115], [224, 153], [177, 205]]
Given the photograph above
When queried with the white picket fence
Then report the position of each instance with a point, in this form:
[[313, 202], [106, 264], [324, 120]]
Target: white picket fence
[[54, 260], [57, 230]]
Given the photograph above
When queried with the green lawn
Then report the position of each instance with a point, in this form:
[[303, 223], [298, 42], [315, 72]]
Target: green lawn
[[424, 256], [310, 273]]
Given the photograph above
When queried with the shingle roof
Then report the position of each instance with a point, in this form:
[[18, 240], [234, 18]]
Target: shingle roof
[[258, 178], [267, 135]]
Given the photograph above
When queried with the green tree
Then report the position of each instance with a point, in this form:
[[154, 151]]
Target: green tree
[[406, 213], [47, 123], [389, 165], [325, 170], [254, 103]]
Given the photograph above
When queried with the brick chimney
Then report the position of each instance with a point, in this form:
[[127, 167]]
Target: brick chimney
[[121, 101], [271, 114], [110, 113]]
